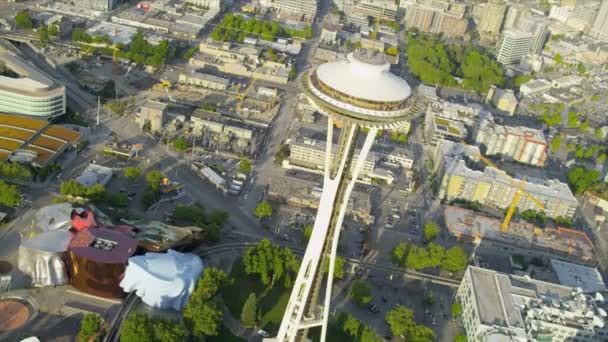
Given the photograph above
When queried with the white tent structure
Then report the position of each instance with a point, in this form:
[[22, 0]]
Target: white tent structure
[[41, 258], [163, 280]]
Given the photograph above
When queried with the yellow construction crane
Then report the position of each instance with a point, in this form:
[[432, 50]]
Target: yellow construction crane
[[241, 97], [504, 226]]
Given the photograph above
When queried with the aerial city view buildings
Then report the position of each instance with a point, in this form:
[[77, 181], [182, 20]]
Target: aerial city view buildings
[[282, 170]]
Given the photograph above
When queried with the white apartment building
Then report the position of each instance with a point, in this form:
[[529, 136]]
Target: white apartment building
[[514, 45], [522, 144], [206, 3], [503, 307], [309, 154], [446, 120]]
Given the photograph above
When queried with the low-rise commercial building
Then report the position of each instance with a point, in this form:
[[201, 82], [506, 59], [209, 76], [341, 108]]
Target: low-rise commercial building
[[304, 193], [537, 86], [522, 144], [204, 80], [308, 8], [521, 238], [152, 115], [502, 307], [24, 90], [494, 188], [503, 99], [240, 60]]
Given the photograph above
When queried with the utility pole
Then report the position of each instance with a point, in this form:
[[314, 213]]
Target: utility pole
[[192, 152], [98, 108]]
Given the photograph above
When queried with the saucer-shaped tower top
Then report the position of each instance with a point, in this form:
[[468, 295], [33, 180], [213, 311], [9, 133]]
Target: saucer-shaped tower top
[[360, 88]]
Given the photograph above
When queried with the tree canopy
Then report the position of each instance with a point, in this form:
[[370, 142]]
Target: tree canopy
[[89, 326], [436, 63], [138, 328], [245, 166], [338, 267], [263, 210], [273, 264], [203, 314], [401, 322], [360, 293], [354, 330], [180, 144], [132, 172], [23, 20], [10, 196], [236, 28], [434, 255], [431, 230], [580, 179]]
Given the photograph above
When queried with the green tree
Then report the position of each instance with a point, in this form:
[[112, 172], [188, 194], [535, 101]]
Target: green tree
[[436, 255], [581, 68], [584, 126], [132, 172], [399, 254], [338, 267], [250, 311], [369, 335], [23, 20], [460, 338], [136, 328], [307, 232], [580, 152], [580, 179], [402, 324], [431, 230], [263, 210], [455, 259], [90, 325], [203, 314], [180, 144], [558, 58], [79, 35], [360, 293], [271, 263], [10, 196], [556, 143], [245, 166], [190, 52], [601, 159], [351, 325], [154, 179], [53, 30], [418, 258], [456, 310], [73, 188], [168, 331], [43, 35]]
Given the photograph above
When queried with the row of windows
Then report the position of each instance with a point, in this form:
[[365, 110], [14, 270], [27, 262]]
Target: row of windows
[[13, 96]]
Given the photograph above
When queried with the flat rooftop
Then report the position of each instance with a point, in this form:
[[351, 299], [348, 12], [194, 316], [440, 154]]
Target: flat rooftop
[[36, 137], [561, 241], [588, 279], [117, 33], [30, 81]]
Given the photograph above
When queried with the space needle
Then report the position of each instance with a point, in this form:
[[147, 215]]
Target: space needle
[[357, 93]]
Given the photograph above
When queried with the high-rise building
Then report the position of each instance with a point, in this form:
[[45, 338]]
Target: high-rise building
[[502, 307], [491, 21], [538, 27], [513, 46], [308, 8], [438, 17], [600, 26], [356, 93], [584, 15]]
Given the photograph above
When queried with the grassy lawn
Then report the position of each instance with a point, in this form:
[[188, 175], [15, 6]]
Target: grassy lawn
[[273, 306], [271, 301], [225, 336], [242, 285]]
